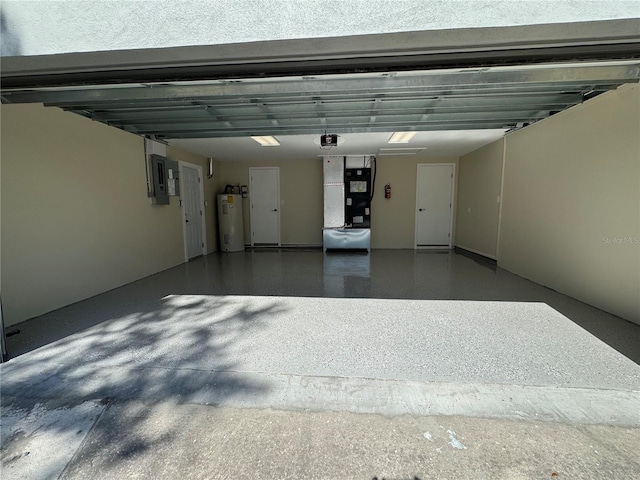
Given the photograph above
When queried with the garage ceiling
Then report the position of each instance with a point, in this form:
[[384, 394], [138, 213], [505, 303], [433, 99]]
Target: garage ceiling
[[215, 118], [486, 98], [300, 90]]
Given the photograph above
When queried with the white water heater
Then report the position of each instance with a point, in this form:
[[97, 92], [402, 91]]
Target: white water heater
[[230, 222]]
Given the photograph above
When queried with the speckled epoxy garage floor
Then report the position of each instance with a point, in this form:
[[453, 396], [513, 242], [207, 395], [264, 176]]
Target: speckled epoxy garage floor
[[418, 334], [511, 304], [390, 315]]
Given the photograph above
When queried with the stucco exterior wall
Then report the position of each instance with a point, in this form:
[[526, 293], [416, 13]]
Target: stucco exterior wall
[[64, 26]]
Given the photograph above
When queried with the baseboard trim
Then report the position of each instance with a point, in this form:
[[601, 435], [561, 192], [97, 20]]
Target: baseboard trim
[[286, 246], [475, 255]]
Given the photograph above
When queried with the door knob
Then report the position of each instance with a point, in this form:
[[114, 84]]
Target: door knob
[[421, 209], [274, 210]]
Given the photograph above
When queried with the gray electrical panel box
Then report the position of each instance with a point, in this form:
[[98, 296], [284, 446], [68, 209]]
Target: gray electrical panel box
[[159, 176], [166, 183]]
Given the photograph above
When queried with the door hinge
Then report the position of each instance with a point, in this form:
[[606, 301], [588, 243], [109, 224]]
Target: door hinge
[[198, 179], [200, 212], [203, 245]]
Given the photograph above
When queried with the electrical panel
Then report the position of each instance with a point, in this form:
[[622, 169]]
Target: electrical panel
[[159, 176], [166, 182]]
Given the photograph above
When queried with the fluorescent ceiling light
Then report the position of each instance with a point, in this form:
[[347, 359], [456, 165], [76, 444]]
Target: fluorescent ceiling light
[[401, 137], [401, 151], [267, 141]]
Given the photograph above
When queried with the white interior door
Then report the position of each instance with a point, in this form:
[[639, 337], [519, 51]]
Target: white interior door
[[434, 205], [265, 205], [192, 206]]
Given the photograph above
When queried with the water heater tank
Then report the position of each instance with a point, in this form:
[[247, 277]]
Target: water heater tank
[[231, 225]]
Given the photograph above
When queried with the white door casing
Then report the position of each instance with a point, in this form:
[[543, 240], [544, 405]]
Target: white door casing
[[264, 191], [192, 193], [434, 205]]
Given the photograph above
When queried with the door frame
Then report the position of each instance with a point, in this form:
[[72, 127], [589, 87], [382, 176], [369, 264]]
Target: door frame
[[453, 206], [251, 169], [181, 166]]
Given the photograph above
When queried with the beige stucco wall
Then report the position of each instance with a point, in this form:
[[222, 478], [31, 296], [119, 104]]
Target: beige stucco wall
[[76, 219], [301, 194], [571, 202], [479, 182], [300, 197], [393, 220]]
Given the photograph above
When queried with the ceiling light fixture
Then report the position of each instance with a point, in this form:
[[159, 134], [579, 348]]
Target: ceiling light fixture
[[401, 137], [401, 151], [267, 141]]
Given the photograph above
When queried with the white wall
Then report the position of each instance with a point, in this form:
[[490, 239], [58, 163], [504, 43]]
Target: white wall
[[76, 219], [571, 202]]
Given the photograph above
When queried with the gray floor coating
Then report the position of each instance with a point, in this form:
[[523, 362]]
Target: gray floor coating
[[384, 274], [391, 333]]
